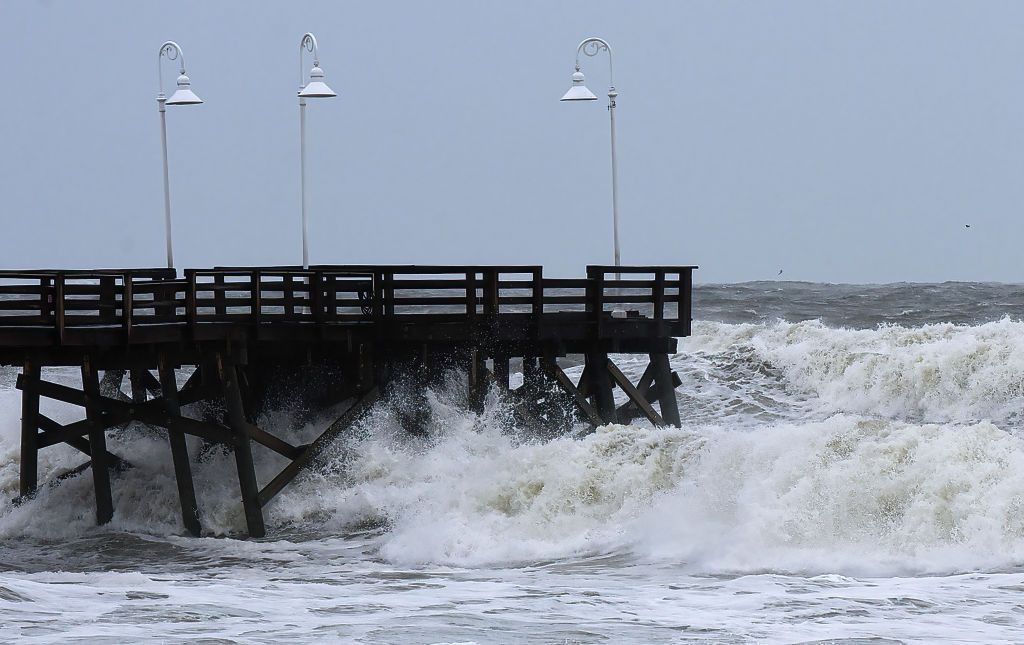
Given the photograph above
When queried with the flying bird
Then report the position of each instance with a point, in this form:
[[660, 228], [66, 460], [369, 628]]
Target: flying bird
[[967, 226], [780, 272]]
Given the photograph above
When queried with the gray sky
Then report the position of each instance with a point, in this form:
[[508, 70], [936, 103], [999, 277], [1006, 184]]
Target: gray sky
[[839, 141]]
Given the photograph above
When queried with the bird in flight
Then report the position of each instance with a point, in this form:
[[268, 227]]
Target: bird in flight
[[967, 226], [780, 272]]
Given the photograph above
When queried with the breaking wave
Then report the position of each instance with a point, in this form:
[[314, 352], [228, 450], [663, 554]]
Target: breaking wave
[[808, 448], [941, 372]]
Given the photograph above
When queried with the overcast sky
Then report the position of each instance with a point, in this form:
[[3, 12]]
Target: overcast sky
[[837, 141]]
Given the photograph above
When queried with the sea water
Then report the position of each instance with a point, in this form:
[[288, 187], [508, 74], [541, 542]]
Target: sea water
[[850, 469]]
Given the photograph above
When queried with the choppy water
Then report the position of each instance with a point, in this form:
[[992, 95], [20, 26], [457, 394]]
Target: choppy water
[[850, 467]]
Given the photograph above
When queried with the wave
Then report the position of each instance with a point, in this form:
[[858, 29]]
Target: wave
[[939, 373], [846, 493], [818, 450]]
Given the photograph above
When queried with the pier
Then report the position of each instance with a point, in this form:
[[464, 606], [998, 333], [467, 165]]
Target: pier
[[239, 332]]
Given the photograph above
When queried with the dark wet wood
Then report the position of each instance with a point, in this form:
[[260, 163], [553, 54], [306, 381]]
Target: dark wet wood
[[666, 389], [234, 326], [97, 443], [600, 384], [179, 449], [305, 458], [29, 431], [243, 450], [638, 399], [589, 412]]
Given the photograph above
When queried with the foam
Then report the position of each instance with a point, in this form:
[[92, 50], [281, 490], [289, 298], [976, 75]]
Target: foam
[[840, 472]]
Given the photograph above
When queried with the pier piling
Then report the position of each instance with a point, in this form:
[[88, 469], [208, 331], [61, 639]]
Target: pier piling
[[323, 336]]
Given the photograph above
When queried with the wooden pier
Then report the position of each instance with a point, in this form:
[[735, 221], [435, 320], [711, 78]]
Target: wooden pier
[[242, 330]]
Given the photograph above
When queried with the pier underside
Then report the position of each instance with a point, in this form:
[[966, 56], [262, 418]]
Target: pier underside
[[228, 338]]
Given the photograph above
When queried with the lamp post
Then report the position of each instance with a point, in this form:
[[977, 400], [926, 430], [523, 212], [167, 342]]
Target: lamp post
[[579, 92], [316, 88], [182, 96]]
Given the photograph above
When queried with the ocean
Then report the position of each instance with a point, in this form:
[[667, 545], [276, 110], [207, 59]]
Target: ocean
[[850, 469]]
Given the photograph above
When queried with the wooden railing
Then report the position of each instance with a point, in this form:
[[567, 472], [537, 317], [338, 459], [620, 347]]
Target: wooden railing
[[348, 294]]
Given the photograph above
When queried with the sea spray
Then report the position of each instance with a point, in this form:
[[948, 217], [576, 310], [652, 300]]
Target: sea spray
[[809, 457], [847, 493], [778, 466], [940, 372]]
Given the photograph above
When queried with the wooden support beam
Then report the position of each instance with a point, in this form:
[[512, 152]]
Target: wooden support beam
[[138, 384], [179, 449], [520, 399], [228, 374], [151, 384], [477, 372], [600, 384], [264, 438], [189, 392], [501, 369], [646, 387], [666, 391], [79, 443], [51, 390], [531, 375], [638, 399], [97, 442], [29, 424], [58, 433], [151, 412], [584, 385], [551, 368], [312, 450], [365, 367]]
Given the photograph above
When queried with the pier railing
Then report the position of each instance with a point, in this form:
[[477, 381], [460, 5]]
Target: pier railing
[[342, 294]]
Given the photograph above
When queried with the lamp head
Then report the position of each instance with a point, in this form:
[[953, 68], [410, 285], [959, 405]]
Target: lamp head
[[578, 91], [316, 88], [184, 94]]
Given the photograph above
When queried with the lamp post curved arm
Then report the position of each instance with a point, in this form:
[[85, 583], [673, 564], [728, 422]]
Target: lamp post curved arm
[[308, 44], [592, 47], [171, 51]]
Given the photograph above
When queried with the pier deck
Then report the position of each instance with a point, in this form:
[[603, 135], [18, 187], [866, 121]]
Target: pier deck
[[242, 329]]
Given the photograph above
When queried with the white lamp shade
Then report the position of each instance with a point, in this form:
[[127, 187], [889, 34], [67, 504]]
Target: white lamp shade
[[578, 91], [316, 88], [184, 94]]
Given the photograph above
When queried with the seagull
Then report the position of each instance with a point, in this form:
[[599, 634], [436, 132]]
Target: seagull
[[780, 272], [967, 226]]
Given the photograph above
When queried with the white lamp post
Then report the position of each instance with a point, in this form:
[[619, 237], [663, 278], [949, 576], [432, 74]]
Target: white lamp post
[[579, 92], [182, 96], [316, 88]]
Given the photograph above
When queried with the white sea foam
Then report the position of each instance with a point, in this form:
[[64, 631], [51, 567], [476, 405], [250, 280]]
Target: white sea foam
[[939, 372], [845, 492], [810, 455]]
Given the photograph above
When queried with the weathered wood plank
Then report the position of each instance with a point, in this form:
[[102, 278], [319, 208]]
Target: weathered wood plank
[[600, 384], [666, 389], [179, 450], [97, 443], [590, 413], [29, 431], [305, 458], [243, 451], [634, 395], [150, 412]]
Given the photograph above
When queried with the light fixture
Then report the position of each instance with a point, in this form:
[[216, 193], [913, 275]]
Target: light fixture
[[578, 91]]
